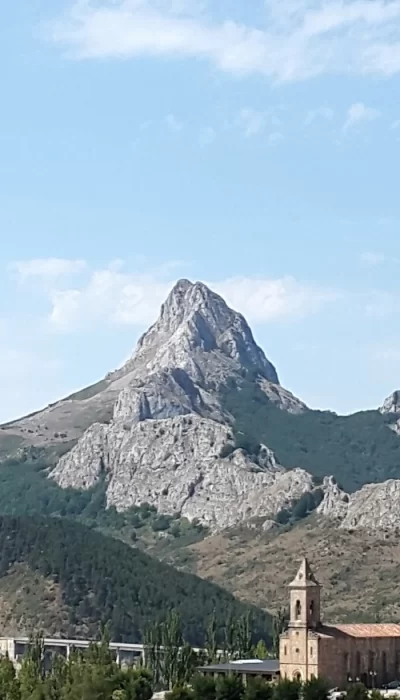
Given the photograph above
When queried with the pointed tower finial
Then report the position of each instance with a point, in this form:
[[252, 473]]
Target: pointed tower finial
[[304, 577]]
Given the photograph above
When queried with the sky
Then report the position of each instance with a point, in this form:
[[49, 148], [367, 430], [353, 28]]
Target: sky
[[252, 145]]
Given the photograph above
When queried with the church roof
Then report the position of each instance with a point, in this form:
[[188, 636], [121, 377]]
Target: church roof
[[304, 576], [384, 629]]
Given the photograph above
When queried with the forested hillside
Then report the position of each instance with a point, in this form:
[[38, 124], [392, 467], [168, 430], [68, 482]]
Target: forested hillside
[[356, 449], [104, 580]]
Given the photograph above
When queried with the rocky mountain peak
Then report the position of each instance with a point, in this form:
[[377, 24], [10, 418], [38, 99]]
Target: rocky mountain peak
[[197, 331], [392, 403]]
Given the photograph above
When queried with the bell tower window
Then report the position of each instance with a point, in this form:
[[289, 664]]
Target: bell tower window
[[298, 610]]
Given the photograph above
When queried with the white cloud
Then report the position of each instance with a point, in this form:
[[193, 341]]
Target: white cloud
[[325, 113], [117, 297], [372, 259], [47, 268], [299, 40], [359, 112], [262, 299]]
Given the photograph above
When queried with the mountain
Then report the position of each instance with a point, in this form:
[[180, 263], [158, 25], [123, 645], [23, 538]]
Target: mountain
[[197, 425], [196, 344], [65, 579]]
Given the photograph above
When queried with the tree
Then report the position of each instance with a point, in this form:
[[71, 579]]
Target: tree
[[134, 683], [180, 692], [243, 637], [260, 650], [229, 688], [9, 685], [287, 690], [315, 689], [357, 691], [32, 672], [204, 687], [258, 689], [376, 695], [279, 625], [211, 639]]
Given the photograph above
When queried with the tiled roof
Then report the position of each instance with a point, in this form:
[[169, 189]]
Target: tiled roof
[[364, 630]]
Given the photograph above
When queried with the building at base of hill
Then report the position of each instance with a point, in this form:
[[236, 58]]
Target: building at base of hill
[[342, 654]]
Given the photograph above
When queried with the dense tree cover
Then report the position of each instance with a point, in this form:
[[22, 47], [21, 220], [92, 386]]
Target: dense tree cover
[[26, 490], [104, 580], [93, 675], [356, 449], [232, 688]]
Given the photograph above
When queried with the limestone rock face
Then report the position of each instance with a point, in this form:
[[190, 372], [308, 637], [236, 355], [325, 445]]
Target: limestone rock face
[[392, 403], [176, 464], [169, 442], [374, 506], [335, 502], [198, 333]]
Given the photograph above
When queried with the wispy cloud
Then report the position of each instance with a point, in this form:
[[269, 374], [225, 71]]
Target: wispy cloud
[[46, 268], [173, 123], [359, 112], [298, 41], [371, 259], [324, 113], [116, 296]]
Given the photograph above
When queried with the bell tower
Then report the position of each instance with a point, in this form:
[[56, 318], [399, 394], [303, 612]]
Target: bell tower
[[305, 593], [299, 645]]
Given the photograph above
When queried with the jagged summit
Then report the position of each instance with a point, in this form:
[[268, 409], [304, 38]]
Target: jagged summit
[[197, 331], [194, 321], [179, 366], [392, 403]]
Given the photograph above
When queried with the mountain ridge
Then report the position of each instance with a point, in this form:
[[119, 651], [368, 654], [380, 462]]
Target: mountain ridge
[[196, 422]]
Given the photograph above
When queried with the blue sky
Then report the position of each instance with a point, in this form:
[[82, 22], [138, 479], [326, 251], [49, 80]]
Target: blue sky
[[254, 146]]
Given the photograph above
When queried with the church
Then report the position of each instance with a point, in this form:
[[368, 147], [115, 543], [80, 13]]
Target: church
[[342, 654]]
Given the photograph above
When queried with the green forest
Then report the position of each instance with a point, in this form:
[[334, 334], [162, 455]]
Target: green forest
[[356, 449], [26, 490], [105, 581]]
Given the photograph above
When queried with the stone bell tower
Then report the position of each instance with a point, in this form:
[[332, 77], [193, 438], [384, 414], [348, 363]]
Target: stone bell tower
[[298, 654], [305, 593]]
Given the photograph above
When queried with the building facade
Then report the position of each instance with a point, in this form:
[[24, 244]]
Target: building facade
[[342, 654]]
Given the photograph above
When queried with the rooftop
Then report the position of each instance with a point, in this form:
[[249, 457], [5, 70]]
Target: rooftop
[[245, 666], [388, 629]]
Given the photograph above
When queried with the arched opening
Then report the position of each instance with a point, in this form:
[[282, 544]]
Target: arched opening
[[312, 609], [298, 610], [297, 676]]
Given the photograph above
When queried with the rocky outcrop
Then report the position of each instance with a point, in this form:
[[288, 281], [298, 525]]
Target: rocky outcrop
[[374, 507], [169, 442], [391, 404], [185, 465]]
